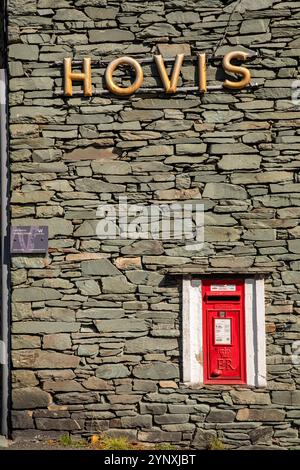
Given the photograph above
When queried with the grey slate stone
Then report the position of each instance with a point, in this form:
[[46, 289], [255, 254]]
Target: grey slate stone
[[34, 294], [286, 398], [101, 13], [111, 35], [35, 359], [245, 5], [220, 416], [159, 30], [98, 313], [117, 285], [249, 397], [142, 422], [88, 350], [255, 26], [113, 168], [67, 14], [23, 52], [61, 424], [153, 408], [239, 162], [24, 378], [125, 325], [112, 371], [190, 149], [294, 245], [146, 344], [171, 419], [25, 341], [261, 435], [29, 398], [159, 436], [182, 17], [156, 370], [88, 287], [59, 342], [94, 383], [221, 149], [98, 186], [203, 439], [165, 103], [45, 327], [224, 191], [21, 420], [266, 414], [143, 247], [99, 267]]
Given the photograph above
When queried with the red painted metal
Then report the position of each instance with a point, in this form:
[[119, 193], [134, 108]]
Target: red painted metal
[[223, 307]]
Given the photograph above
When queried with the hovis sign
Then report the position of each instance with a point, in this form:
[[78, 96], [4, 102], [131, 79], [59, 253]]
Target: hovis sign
[[170, 83]]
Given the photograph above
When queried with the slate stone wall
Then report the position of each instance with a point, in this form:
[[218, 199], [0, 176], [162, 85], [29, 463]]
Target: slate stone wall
[[96, 325]]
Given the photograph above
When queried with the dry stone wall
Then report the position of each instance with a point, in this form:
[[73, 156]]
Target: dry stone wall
[[96, 324]]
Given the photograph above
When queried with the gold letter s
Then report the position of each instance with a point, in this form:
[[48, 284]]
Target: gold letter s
[[228, 67]]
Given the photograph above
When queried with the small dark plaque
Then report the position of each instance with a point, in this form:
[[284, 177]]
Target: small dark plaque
[[29, 239]]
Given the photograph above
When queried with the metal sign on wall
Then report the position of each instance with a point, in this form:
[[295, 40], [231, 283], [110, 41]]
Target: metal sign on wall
[[29, 239]]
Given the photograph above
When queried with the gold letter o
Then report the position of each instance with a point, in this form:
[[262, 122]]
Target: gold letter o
[[128, 90]]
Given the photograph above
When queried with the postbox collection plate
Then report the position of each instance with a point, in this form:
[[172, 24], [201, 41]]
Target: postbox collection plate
[[29, 239]]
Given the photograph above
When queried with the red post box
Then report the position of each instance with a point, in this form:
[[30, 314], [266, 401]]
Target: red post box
[[224, 358]]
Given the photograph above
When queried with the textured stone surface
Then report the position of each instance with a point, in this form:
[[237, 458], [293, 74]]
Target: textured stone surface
[[117, 285], [95, 383], [121, 325], [246, 414], [158, 370], [22, 420], [286, 398], [224, 191], [101, 267], [59, 342], [35, 359], [250, 398], [25, 294], [112, 371], [146, 344], [203, 439], [261, 435], [221, 416], [44, 327], [25, 398], [136, 422]]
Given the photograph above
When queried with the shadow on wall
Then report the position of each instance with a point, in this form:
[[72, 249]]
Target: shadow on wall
[[2, 43]]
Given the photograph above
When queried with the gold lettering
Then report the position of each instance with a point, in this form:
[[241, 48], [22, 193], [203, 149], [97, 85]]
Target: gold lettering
[[170, 86], [113, 88], [202, 72], [229, 67], [85, 76]]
